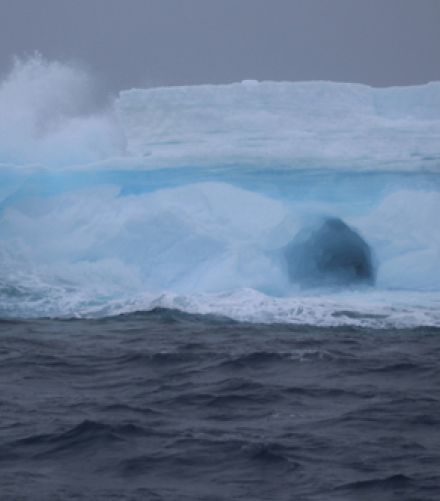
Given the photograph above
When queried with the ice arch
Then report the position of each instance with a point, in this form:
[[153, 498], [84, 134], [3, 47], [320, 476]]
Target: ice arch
[[329, 254]]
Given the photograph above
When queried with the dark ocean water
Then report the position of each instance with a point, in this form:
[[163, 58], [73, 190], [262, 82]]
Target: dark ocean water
[[169, 406]]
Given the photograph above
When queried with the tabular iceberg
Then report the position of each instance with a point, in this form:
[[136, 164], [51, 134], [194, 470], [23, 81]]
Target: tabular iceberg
[[187, 197]]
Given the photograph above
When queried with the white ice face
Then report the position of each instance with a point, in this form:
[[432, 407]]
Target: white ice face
[[298, 125]]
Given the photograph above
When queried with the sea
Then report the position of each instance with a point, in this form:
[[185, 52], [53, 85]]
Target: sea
[[218, 292]]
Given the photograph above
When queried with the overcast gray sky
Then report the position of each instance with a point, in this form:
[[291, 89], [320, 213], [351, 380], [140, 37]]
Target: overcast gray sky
[[167, 42]]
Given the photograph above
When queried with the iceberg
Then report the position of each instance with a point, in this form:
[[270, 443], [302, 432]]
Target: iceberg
[[188, 197]]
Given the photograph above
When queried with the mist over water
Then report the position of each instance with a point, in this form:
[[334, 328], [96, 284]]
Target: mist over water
[[186, 197]]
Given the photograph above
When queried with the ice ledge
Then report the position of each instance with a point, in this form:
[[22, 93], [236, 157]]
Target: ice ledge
[[319, 121]]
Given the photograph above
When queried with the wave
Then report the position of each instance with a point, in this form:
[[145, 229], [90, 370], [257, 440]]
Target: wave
[[188, 197]]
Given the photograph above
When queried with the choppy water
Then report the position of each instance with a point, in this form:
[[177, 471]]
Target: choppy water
[[170, 406]]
